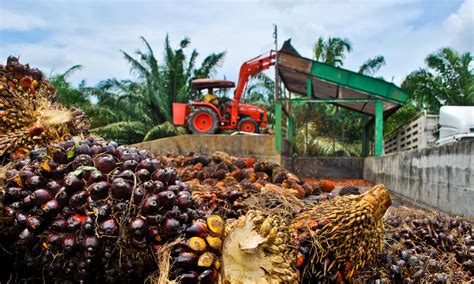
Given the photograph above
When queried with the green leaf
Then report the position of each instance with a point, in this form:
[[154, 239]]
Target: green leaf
[[81, 169], [70, 154]]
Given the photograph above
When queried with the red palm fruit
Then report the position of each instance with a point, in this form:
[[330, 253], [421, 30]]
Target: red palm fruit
[[186, 259], [105, 163], [99, 190], [78, 199], [196, 244], [121, 189], [326, 185], [170, 227], [40, 196], [109, 227], [36, 130], [198, 229]]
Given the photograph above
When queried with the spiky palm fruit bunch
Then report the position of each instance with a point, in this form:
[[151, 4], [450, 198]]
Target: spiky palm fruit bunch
[[257, 249], [92, 211], [29, 116], [339, 237]]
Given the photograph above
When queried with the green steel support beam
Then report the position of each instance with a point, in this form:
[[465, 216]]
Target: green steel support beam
[[348, 100], [278, 131], [365, 139], [309, 88], [356, 81], [290, 129], [378, 128]]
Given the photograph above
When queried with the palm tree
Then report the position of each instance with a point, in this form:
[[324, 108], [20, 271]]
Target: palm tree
[[448, 79], [261, 91], [67, 94], [372, 65], [141, 107], [331, 51]]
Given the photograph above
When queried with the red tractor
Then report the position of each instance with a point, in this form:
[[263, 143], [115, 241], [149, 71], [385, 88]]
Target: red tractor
[[209, 113]]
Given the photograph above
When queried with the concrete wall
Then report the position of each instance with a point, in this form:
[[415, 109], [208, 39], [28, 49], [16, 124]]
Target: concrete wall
[[325, 167], [258, 146], [439, 178]]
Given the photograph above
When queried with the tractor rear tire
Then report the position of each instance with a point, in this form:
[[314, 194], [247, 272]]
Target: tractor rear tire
[[248, 125], [203, 121]]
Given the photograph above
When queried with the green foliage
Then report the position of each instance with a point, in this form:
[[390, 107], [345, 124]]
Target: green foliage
[[261, 91], [332, 51], [122, 132], [166, 129], [448, 79], [372, 65]]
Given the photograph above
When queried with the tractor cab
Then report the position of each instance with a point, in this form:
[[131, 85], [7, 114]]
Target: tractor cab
[[210, 91]]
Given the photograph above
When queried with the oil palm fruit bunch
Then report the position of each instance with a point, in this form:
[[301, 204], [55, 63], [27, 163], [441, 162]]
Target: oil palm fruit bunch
[[90, 211], [29, 116], [341, 236]]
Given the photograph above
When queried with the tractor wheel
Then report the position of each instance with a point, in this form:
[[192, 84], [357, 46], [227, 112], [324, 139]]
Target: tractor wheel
[[203, 121], [248, 125]]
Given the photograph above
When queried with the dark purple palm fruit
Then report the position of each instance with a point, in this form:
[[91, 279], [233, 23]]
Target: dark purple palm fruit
[[137, 227], [40, 196], [149, 164], [119, 207], [91, 246], [12, 194], [54, 241], [73, 183], [144, 154], [82, 148], [121, 189], [82, 160], [154, 219], [170, 227], [60, 171], [172, 175], [34, 223], [95, 176], [109, 227], [167, 199], [126, 174], [153, 233], [128, 154], [70, 244], [74, 222], [21, 218], [59, 225], [62, 197], [138, 194], [105, 163], [53, 187], [143, 175], [97, 149], [129, 165], [184, 199], [78, 199], [151, 205], [87, 226], [51, 208], [99, 190], [26, 237], [34, 182], [104, 211], [148, 186], [159, 175]]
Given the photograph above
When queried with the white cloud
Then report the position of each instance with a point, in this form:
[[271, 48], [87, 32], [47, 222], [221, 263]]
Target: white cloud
[[460, 26], [91, 33], [11, 20]]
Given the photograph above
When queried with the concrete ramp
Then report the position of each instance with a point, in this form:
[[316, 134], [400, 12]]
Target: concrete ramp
[[258, 146]]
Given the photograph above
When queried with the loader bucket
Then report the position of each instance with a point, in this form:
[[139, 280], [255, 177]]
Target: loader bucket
[[180, 113]]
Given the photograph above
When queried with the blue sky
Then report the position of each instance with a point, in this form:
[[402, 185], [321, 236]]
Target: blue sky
[[55, 35]]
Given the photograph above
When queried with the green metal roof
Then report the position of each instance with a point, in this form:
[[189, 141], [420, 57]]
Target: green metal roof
[[320, 81]]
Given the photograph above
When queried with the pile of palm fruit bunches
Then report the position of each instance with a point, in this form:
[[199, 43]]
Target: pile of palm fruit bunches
[[77, 208], [29, 115]]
